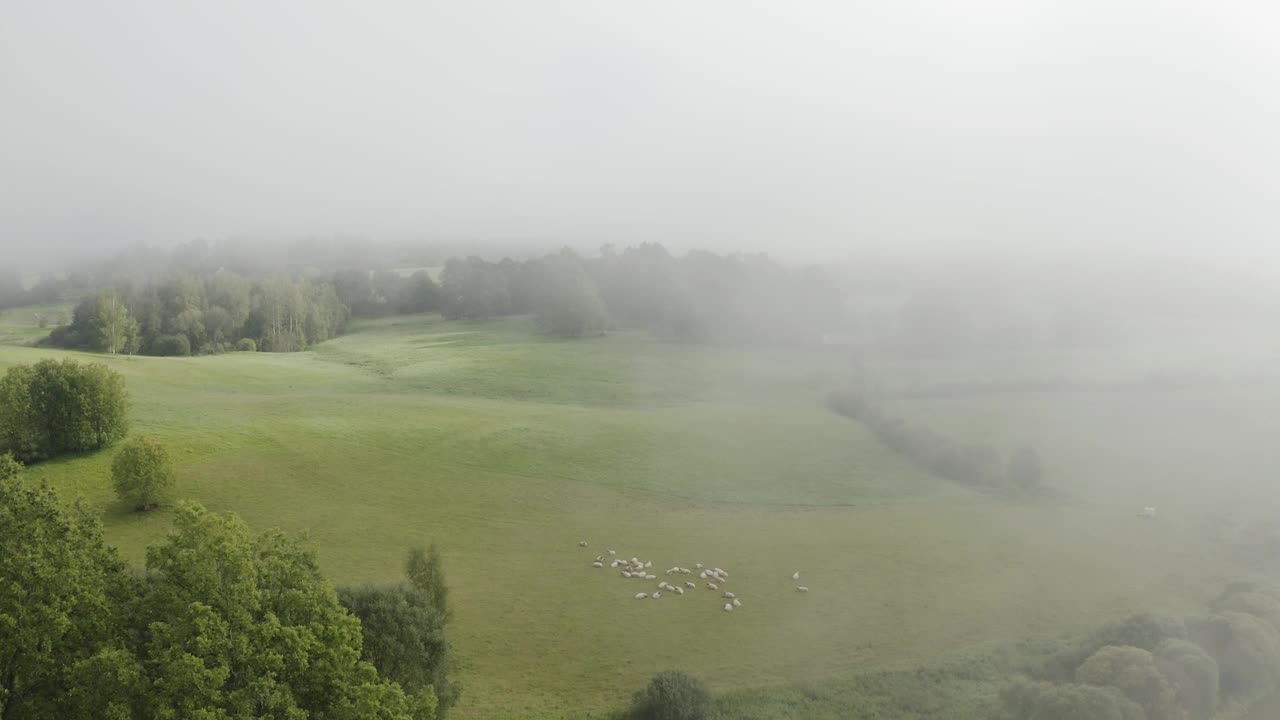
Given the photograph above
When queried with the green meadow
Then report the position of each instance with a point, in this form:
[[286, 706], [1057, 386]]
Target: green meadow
[[507, 449]]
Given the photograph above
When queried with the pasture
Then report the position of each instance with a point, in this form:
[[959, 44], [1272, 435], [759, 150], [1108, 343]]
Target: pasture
[[506, 449]]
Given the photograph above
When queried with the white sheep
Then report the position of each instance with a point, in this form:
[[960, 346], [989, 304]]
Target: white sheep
[[802, 588], [1148, 512], [641, 596], [712, 586], [698, 565], [626, 574], [582, 543], [729, 595], [703, 574], [649, 564], [656, 594], [613, 552], [728, 607], [679, 590], [690, 584], [795, 575], [597, 564], [737, 602], [650, 577], [613, 564]]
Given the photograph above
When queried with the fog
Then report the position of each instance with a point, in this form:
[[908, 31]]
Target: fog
[[808, 130]]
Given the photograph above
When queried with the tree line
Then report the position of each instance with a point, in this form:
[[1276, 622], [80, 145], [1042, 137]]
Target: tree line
[[218, 312], [220, 623]]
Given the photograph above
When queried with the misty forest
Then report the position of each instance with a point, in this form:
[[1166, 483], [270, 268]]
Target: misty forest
[[721, 361]]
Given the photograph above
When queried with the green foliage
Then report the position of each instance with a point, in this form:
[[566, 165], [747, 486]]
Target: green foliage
[[566, 301], [1246, 649], [1143, 630], [56, 407], [142, 472], [9, 466], [425, 571], [111, 328], [404, 638], [1133, 672], [1030, 700], [237, 625], [59, 587], [672, 695], [1192, 674], [171, 346], [472, 289], [246, 345]]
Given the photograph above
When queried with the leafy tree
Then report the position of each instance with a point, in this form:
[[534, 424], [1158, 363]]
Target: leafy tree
[[246, 345], [9, 467], [142, 472], [112, 329], [242, 626], [1025, 700], [1246, 649], [171, 346], [566, 300], [59, 584], [425, 571], [1133, 672], [56, 407], [1193, 675], [672, 695]]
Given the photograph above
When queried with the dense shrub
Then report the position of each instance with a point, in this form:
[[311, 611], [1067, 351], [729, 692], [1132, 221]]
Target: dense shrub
[[1246, 649], [142, 472], [1133, 672], [9, 466], [1143, 630], [672, 695], [171, 346], [246, 345], [56, 407], [1193, 675], [1026, 699]]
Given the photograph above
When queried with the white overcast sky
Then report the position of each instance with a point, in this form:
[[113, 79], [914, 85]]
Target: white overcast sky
[[790, 125]]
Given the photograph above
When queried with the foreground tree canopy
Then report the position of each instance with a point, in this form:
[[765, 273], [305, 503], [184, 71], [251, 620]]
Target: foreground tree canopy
[[55, 407], [223, 624]]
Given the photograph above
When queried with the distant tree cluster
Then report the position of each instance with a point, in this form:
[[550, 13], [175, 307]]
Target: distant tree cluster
[[378, 293], [701, 296], [223, 624], [967, 463], [60, 406], [1154, 667], [14, 292], [188, 314]]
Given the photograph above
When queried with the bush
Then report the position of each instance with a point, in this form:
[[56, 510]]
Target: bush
[[1193, 675], [1246, 649], [171, 346], [9, 467], [1045, 701], [56, 407], [1133, 672], [246, 345], [672, 695], [142, 472]]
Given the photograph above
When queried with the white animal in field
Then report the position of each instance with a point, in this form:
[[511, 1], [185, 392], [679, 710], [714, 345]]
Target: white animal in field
[[737, 602], [582, 543], [698, 565], [703, 574], [641, 596], [802, 589], [679, 590], [650, 577], [1147, 513], [729, 595], [613, 564], [728, 607], [690, 584], [712, 586], [795, 575], [597, 564], [656, 594], [649, 564], [626, 574], [613, 552]]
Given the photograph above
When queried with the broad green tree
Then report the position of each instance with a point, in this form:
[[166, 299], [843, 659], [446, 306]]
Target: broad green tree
[[425, 571], [142, 472], [1133, 672], [1193, 675], [56, 407]]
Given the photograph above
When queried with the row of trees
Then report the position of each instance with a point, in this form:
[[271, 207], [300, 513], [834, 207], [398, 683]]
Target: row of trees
[[15, 293], [218, 312], [1152, 667], [973, 464], [223, 623], [60, 406]]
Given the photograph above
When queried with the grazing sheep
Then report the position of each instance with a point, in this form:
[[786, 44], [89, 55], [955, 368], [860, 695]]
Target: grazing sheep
[[729, 595], [650, 577], [613, 552], [656, 594], [641, 596], [626, 574], [802, 589], [679, 590], [795, 575], [690, 584], [728, 607], [649, 564], [597, 564], [698, 565], [718, 571], [635, 560], [1148, 512], [703, 574], [599, 558], [582, 543], [712, 586], [613, 564], [737, 602]]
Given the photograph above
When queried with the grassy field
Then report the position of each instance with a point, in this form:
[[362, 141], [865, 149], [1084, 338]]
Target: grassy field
[[506, 449]]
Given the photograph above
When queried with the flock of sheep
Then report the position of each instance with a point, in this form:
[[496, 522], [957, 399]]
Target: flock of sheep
[[637, 569]]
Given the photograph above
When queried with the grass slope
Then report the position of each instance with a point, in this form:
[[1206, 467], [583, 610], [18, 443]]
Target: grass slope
[[507, 449]]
